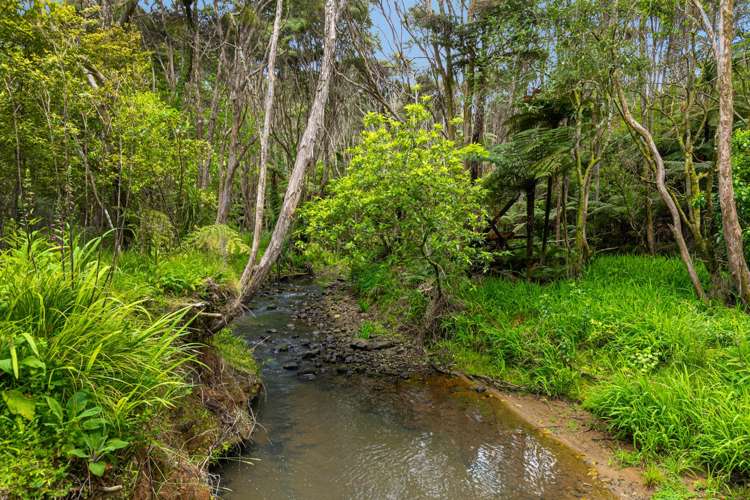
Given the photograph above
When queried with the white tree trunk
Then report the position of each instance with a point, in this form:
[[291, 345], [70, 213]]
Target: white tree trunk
[[730, 220], [264, 146], [721, 40], [305, 155]]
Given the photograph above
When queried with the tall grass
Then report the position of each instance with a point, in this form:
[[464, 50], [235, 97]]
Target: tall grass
[[80, 370], [630, 341]]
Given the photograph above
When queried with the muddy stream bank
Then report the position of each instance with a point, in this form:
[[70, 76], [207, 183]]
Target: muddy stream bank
[[348, 418]]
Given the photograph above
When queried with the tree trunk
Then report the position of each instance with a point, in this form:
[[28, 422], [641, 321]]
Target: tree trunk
[[582, 211], [478, 129], [547, 209], [729, 218], [227, 183], [649, 206], [264, 145], [249, 184], [530, 201], [676, 226], [253, 279]]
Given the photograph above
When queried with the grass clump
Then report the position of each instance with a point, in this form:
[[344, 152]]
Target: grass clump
[[81, 371], [369, 329], [630, 340], [395, 292]]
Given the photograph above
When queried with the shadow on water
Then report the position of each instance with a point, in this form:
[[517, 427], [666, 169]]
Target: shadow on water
[[350, 436]]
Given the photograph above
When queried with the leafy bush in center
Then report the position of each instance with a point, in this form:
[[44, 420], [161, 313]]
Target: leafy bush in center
[[406, 200]]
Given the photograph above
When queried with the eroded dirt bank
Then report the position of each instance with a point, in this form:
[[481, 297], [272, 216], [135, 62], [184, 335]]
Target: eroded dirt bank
[[208, 424]]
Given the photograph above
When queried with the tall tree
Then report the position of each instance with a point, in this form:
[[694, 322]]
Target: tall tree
[[658, 161], [721, 40], [264, 144], [252, 281]]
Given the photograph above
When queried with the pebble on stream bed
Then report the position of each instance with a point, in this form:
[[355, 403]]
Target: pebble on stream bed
[[336, 317]]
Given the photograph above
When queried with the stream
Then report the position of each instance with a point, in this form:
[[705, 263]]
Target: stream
[[333, 435]]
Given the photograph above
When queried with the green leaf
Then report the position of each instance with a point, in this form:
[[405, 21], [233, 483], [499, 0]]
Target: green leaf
[[115, 444], [76, 452], [93, 423], [30, 341], [33, 362], [97, 468], [55, 407], [96, 410], [18, 404], [93, 356], [6, 366], [14, 360], [76, 403]]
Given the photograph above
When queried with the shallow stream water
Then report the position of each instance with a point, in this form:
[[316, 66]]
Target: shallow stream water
[[336, 436]]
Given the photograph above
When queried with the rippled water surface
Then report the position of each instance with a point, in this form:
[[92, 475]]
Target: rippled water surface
[[341, 437]]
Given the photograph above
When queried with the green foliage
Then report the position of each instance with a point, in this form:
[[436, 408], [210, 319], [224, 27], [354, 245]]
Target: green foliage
[[406, 200], [741, 178], [156, 232], [630, 340], [395, 292], [76, 104], [235, 351], [369, 329], [80, 371], [217, 238]]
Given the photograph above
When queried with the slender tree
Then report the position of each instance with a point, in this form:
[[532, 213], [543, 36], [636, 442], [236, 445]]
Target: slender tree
[[305, 155], [264, 146], [658, 161]]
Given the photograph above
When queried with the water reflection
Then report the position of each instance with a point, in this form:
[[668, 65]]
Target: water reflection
[[341, 438]]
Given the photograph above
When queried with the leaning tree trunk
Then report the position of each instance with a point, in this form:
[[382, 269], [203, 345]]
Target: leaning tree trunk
[[253, 280], [676, 226], [264, 146], [547, 209]]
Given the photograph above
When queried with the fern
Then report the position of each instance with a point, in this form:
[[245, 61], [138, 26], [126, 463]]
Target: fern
[[217, 238]]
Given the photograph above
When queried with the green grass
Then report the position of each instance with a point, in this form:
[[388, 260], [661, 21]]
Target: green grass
[[629, 340], [369, 329], [81, 371], [394, 291]]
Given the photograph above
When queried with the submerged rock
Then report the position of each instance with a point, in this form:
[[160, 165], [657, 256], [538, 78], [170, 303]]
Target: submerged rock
[[311, 353]]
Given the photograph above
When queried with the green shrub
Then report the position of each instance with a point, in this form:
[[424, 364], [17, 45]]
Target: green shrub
[[80, 371], [234, 351], [219, 239], [406, 201]]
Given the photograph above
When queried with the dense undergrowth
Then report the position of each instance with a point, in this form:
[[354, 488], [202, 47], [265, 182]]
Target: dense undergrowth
[[81, 371], [633, 344], [92, 354]]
